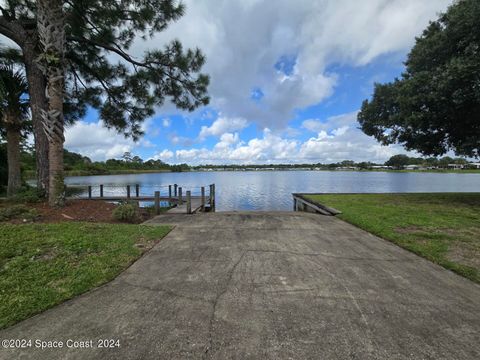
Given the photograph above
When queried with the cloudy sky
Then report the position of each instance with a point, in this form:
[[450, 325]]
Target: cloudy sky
[[287, 80]]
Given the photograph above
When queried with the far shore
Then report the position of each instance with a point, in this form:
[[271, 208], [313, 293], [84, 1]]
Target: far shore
[[30, 175]]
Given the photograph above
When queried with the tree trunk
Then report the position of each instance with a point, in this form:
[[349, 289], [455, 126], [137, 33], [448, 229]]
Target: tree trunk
[[56, 192], [13, 158], [38, 102], [51, 31]]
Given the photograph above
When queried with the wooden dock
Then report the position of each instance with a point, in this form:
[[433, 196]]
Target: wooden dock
[[196, 206], [181, 203]]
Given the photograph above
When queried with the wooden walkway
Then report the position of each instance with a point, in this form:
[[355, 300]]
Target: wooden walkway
[[196, 205]]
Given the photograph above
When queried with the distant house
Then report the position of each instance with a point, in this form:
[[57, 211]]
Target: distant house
[[344, 168], [414, 167], [411, 167], [455, 166], [474, 165], [380, 167]]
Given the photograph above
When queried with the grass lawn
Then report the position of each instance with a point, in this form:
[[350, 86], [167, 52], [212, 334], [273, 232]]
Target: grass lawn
[[42, 265], [444, 228]]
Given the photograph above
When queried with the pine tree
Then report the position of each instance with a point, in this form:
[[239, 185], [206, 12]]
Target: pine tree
[[125, 92]]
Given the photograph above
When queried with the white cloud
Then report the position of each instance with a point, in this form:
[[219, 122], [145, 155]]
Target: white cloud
[[269, 148], [316, 34], [313, 125], [221, 126], [338, 139], [228, 139], [150, 127], [243, 40], [163, 155], [180, 140], [166, 122], [96, 141]]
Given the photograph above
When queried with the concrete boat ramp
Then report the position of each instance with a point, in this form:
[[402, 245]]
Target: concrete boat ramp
[[267, 286]]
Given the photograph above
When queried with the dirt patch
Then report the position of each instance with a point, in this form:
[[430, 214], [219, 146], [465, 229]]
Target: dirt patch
[[409, 229], [44, 257], [465, 254], [413, 229], [79, 210]]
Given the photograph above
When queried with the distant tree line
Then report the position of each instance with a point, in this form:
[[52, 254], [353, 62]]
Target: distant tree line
[[400, 161], [77, 165], [395, 162]]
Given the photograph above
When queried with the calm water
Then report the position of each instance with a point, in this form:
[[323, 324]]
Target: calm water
[[271, 190]]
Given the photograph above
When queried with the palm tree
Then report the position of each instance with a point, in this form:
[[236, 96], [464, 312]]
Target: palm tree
[[14, 113], [51, 32]]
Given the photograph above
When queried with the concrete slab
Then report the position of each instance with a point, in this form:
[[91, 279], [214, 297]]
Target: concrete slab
[[267, 285]]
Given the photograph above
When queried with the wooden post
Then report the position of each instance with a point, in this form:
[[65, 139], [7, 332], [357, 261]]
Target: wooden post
[[294, 204], [189, 202], [128, 191], [210, 198], [175, 187], [180, 200], [170, 195], [137, 190], [157, 202], [213, 188], [203, 198], [89, 191], [101, 190]]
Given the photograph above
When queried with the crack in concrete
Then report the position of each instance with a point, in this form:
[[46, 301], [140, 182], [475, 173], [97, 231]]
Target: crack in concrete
[[371, 344], [230, 273], [328, 256], [168, 292]]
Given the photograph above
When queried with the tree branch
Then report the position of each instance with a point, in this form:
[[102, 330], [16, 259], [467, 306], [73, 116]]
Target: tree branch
[[12, 30]]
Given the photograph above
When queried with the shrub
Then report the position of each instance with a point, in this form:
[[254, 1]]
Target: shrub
[[125, 213], [150, 209], [27, 194], [18, 212]]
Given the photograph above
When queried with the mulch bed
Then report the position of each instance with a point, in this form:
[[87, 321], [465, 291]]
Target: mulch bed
[[79, 210]]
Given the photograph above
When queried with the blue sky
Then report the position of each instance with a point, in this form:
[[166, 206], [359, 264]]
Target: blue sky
[[286, 82]]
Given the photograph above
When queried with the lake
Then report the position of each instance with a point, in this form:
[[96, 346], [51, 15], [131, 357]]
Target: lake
[[271, 190]]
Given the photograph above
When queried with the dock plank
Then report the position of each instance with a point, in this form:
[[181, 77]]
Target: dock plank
[[182, 209]]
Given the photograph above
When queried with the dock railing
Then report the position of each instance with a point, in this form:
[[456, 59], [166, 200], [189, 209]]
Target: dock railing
[[194, 199]]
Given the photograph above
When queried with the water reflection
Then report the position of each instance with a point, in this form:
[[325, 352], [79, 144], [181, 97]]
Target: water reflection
[[271, 190]]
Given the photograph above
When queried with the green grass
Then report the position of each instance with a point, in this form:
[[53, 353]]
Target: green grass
[[444, 228], [42, 265]]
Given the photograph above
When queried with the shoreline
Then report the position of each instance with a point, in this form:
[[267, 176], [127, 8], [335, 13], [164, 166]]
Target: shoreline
[[129, 172], [30, 175]]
